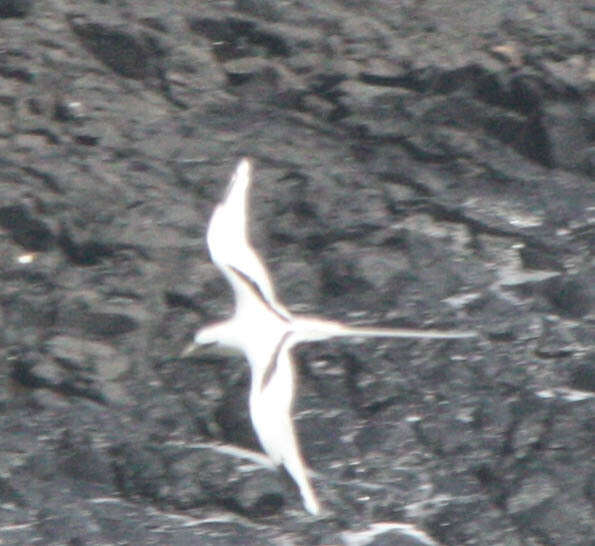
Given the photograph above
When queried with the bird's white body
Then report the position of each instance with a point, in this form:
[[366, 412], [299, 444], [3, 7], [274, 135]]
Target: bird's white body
[[265, 331]]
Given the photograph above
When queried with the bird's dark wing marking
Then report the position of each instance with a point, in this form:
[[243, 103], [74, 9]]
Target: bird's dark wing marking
[[257, 291], [272, 365]]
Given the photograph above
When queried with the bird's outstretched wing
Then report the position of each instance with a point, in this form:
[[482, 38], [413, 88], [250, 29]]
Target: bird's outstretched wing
[[229, 245], [271, 400]]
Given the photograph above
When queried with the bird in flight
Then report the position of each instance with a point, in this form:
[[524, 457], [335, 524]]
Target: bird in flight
[[265, 331]]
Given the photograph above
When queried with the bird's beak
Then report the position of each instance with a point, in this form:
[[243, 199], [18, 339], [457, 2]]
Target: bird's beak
[[190, 349], [207, 350]]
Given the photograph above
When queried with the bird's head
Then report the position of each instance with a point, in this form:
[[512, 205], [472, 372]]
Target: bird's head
[[212, 340]]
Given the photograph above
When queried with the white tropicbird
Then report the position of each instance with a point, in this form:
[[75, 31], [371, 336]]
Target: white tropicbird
[[264, 330]]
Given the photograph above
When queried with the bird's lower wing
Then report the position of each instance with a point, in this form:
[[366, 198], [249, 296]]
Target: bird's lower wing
[[271, 401]]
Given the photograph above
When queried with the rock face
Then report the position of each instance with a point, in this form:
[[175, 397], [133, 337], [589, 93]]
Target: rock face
[[416, 163]]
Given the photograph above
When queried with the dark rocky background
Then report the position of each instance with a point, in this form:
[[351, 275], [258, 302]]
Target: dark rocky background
[[417, 163]]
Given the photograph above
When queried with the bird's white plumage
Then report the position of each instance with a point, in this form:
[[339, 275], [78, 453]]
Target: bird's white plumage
[[270, 411], [229, 243], [265, 331]]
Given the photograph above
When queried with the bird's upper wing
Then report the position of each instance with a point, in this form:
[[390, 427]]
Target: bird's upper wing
[[230, 248]]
